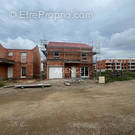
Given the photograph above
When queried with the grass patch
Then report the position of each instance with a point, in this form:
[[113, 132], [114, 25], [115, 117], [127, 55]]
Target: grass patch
[[2, 84]]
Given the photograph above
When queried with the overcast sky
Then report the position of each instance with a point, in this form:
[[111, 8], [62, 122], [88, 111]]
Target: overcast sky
[[111, 24]]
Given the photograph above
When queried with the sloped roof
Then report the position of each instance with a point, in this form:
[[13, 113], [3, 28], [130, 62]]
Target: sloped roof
[[65, 44]]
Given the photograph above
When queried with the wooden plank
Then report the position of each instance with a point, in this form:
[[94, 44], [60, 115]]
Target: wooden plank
[[32, 86]]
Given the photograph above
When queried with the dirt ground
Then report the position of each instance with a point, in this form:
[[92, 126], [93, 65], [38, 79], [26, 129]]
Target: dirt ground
[[84, 108]]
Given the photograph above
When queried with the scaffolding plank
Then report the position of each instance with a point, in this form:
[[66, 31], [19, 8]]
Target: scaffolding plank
[[32, 86]]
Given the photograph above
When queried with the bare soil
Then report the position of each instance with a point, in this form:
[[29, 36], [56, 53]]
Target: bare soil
[[84, 108]]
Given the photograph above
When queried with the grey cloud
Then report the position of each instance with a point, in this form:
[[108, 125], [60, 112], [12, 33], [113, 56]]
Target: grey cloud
[[125, 39], [19, 43], [112, 26], [119, 45]]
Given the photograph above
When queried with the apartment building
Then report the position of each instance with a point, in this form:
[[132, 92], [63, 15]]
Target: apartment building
[[116, 64], [19, 63], [68, 60]]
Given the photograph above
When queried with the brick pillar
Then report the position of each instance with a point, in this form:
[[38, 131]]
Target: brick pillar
[[78, 71], [47, 72], [90, 71], [63, 71]]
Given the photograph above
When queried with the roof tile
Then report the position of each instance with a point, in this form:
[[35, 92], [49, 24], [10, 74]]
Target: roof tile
[[64, 44]]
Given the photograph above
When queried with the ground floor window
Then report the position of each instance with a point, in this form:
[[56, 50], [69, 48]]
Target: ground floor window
[[23, 72], [84, 71]]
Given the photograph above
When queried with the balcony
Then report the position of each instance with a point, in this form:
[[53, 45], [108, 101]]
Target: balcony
[[6, 61]]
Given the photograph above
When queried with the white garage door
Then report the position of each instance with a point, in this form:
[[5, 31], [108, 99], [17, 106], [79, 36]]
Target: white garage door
[[55, 72]]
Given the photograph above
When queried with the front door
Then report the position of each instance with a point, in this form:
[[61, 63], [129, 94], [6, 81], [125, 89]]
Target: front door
[[23, 72], [10, 72], [73, 72]]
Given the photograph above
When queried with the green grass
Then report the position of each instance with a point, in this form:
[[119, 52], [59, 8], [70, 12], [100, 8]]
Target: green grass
[[2, 84]]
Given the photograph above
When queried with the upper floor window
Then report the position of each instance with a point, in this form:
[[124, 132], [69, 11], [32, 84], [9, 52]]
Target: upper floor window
[[10, 54], [23, 57], [56, 54], [84, 56]]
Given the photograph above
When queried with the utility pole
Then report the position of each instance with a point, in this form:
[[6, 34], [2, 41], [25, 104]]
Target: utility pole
[[97, 50]]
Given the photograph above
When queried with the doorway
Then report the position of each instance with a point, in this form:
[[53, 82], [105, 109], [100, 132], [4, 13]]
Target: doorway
[[73, 72], [10, 72], [85, 72]]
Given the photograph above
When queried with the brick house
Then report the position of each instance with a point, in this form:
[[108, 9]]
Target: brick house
[[68, 60], [19, 63], [116, 64]]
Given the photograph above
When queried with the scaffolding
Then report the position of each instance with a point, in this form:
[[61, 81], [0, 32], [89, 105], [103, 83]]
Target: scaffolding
[[96, 48]]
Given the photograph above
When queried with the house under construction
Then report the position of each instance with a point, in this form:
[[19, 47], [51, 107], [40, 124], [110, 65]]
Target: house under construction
[[68, 60]]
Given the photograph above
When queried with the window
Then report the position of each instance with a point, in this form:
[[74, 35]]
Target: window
[[23, 57], [56, 54], [84, 56], [10, 54], [85, 72], [108, 64], [82, 71], [23, 72]]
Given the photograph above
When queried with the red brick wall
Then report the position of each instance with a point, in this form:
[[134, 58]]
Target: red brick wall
[[78, 71], [69, 56], [3, 68], [3, 71], [36, 62], [3, 52], [17, 67], [32, 62], [101, 65]]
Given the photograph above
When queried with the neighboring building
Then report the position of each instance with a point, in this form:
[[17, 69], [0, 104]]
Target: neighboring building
[[69, 60], [19, 63], [116, 64]]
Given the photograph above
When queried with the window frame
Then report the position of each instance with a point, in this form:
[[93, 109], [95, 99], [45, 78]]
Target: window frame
[[10, 54], [84, 56], [23, 76], [84, 72], [24, 58], [56, 56]]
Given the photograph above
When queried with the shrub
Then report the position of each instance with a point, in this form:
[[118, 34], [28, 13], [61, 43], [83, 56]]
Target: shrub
[[112, 78]]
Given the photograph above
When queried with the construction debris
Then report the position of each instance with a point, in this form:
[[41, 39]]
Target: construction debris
[[9, 86], [76, 80], [32, 86], [67, 83]]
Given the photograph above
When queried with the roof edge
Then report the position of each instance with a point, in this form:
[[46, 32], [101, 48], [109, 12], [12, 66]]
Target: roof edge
[[18, 49], [71, 43]]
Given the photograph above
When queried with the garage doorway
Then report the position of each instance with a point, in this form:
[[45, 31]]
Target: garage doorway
[[55, 72]]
